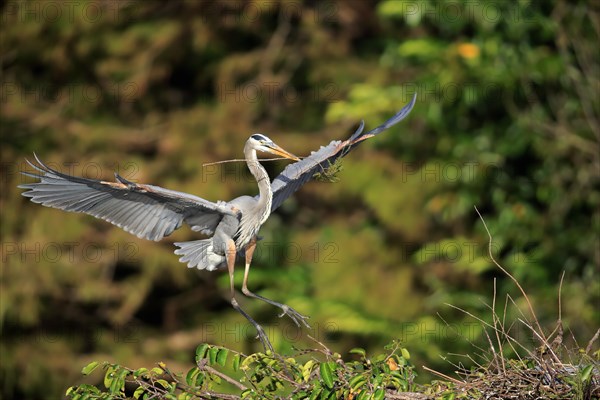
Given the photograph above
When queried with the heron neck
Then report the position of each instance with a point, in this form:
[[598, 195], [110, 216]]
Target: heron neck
[[265, 194]]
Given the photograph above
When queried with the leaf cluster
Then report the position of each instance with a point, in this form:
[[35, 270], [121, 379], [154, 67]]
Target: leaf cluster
[[227, 374]]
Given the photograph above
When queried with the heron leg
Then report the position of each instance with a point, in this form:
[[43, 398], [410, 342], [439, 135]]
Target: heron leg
[[287, 310], [230, 255]]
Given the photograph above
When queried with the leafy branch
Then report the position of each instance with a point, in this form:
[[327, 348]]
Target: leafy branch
[[220, 372]]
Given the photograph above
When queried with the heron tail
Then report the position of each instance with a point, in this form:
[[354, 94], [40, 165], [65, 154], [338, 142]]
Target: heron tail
[[200, 254]]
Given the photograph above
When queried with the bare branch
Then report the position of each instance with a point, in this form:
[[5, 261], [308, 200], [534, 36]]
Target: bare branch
[[516, 282], [592, 340], [221, 375]]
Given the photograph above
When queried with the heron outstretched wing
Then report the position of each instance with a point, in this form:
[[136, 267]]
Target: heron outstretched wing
[[147, 211], [297, 174]]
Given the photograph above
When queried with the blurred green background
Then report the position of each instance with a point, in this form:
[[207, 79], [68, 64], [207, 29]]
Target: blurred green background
[[507, 119]]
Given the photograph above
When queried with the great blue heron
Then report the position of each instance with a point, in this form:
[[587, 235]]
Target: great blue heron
[[151, 212]]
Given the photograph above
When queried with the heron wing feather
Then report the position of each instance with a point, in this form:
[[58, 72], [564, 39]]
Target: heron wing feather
[[147, 211], [294, 176]]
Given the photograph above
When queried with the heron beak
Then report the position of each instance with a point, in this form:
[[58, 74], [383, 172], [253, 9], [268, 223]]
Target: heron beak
[[275, 149]]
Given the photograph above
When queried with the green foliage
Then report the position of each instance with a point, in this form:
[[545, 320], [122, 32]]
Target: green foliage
[[329, 174], [491, 89], [147, 383], [506, 119], [321, 374], [315, 374]]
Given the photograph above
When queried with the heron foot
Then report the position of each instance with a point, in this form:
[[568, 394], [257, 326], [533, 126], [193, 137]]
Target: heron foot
[[298, 318], [294, 315], [262, 336], [259, 329]]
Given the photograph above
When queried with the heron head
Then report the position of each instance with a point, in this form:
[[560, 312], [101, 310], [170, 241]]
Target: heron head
[[260, 142]]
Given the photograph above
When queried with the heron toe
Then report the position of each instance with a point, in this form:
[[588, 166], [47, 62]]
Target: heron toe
[[294, 315]]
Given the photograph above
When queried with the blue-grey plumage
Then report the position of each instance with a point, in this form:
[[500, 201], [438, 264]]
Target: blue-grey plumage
[[152, 212], [253, 212]]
